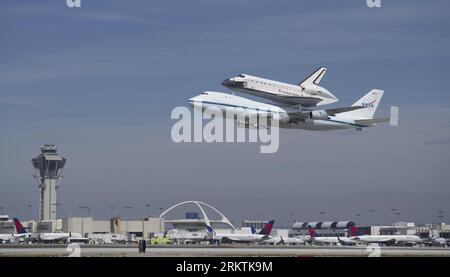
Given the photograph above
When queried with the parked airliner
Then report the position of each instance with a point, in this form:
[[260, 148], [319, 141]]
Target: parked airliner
[[232, 237], [48, 237], [358, 116], [21, 233], [307, 93], [279, 240], [275, 240], [383, 239], [328, 240], [364, 239]]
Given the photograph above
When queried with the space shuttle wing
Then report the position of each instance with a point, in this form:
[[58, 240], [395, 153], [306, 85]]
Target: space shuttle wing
[[300, 100]]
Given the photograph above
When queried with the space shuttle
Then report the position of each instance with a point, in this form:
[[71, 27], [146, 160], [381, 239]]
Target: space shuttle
[[307, 93]]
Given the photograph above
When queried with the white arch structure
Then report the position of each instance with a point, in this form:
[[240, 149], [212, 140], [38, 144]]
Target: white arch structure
[[223, 219]]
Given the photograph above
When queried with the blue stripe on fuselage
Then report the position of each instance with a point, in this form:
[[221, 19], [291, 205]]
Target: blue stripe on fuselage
[[233, 106]]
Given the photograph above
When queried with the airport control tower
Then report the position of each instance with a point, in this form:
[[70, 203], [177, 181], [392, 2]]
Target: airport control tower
[[48, 168]]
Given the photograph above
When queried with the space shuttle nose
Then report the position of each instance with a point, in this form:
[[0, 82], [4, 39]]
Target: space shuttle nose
[[233, 84], [227, 82]]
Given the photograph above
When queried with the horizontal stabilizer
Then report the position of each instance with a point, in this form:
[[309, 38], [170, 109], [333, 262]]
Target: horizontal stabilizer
[[371, 121]]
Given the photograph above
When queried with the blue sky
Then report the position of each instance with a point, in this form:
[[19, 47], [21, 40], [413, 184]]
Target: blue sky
[[101, 81]]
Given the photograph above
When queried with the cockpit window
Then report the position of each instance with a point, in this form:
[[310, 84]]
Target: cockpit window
[[241, 75], [205, 93]]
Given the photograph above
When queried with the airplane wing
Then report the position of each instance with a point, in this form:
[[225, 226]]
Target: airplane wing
[[387, 241], [229, 239], [253, 114], [252, 117], [346, 241]]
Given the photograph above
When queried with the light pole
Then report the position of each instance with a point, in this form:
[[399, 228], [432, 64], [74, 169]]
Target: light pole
[[160, 219], [398, 215], [291, 218], [393, 210], [1, 209], [440, 216], [322, 215], [127, 208], [111, 211], [372, 211], [83, 208], [148, 209], [29, 211]]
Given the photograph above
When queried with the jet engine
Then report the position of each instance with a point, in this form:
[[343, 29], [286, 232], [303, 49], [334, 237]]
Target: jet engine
[[283, 118], [319, 114]]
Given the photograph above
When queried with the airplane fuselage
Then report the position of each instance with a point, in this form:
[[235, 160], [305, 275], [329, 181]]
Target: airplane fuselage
[[389, 239], [279, 91], [238, 237], [6, 238], [281, 240], [240, 105], [55, 236]]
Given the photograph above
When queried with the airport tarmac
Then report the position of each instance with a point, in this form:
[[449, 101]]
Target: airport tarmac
[[219, 251]]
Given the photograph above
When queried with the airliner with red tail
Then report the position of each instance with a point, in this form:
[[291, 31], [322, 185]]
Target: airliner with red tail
[[21, 233], [48, 237]]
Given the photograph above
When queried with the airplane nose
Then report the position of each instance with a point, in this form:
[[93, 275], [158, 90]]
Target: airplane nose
[[233, 84], [191, 101], [227, 82]]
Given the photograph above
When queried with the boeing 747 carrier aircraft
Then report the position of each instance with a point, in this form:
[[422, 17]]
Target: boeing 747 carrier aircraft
[[359, 115]]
